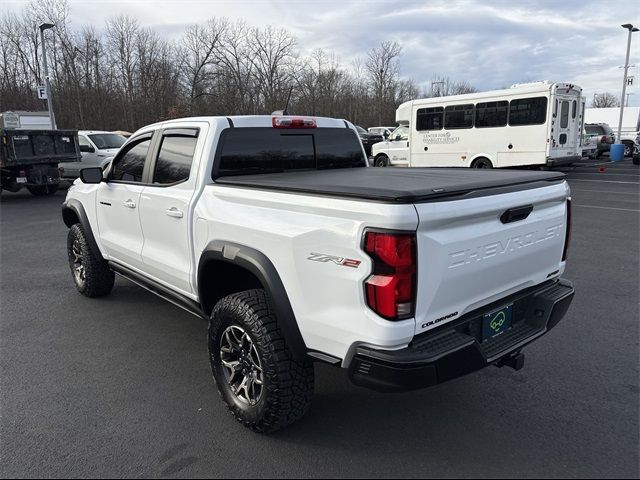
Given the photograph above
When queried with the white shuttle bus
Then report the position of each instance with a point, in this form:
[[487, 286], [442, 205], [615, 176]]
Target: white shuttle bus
[[536, 124]]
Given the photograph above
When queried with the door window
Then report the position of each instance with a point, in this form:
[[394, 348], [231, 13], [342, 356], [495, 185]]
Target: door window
[[128, 166], [85, 145], [564, 114], [175, 157]]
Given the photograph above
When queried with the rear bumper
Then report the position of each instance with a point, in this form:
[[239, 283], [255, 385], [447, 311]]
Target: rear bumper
[[558, 161], [457, 349]]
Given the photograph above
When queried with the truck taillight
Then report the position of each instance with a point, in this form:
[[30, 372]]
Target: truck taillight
[[567, 237], [293, 122], [391, 288]]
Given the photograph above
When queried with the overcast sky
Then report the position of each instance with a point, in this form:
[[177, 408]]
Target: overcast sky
[[489, 44]]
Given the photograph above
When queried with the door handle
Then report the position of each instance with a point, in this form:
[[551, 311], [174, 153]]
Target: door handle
[[174, 212], [129, 204]]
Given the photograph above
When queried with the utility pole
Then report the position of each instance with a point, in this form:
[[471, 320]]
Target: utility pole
[[47, 84], [631, 29], [441, 82]]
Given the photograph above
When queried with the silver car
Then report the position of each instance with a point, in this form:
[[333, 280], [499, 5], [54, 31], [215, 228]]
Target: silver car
[[97, 149]]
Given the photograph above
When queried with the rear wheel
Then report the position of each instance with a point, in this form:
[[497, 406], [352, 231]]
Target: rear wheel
[[482, 163], [628, 149], [263, 385], [92, 276], [41, 190], [381, 161]]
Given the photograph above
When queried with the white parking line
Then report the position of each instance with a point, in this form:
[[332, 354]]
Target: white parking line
[[609, 172], [606, 208], [599, 181], [605, 191]]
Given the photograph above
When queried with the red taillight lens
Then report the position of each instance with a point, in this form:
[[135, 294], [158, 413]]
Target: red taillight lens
[[604, 139], [567, 237], [293, 122], [391, 288]]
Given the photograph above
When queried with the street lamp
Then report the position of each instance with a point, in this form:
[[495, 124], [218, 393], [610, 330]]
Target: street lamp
[[47, 85], [631, 29]]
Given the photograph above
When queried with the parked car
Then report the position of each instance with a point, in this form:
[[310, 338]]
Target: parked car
[[97, 148], [384, 131], [368, 139], [604, 136], [274, 229], [589, 145]]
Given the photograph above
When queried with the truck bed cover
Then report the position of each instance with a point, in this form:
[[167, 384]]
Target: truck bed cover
[[395, 185]]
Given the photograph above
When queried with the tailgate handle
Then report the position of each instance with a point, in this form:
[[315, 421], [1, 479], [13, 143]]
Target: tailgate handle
[[516, 214]]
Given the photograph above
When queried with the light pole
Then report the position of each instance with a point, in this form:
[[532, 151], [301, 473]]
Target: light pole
[[631, 29], [47, 85], [627, 104]]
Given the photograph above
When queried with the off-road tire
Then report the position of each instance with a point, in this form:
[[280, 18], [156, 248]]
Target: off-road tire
[[41, 190], [98, 277], [288, 383]]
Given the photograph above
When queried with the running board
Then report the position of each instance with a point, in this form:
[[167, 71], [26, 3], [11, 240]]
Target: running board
[[160, 290]]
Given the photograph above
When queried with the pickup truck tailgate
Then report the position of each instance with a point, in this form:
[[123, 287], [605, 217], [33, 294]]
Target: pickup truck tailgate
[[469, 257]]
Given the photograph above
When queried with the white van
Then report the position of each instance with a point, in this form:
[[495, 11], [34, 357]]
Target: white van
[[537, 124]]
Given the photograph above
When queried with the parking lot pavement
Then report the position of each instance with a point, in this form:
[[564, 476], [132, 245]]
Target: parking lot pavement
[[121, 386]]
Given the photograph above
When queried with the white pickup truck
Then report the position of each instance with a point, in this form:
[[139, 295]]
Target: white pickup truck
[[276, 231]]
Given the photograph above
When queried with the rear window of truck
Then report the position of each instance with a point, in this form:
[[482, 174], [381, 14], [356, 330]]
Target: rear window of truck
[[246, 151]]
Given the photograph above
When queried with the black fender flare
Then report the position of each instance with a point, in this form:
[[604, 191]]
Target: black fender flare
[[73, 208], [263, 269]]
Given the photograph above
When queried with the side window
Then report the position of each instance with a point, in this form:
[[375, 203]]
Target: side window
[[82, 140], [528, 111], [458, 116], [429, 118], [492, 114], [175, 156], [403, 132], [564, 114], [574, 109], [128, 166]]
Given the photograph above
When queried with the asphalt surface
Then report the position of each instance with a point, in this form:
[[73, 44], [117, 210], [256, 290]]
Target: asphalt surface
[[121, 386]]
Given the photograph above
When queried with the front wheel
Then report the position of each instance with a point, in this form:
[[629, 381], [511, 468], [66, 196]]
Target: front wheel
[[263, 385], [41, 190], [92, 276], [381, 161], [482, 163]]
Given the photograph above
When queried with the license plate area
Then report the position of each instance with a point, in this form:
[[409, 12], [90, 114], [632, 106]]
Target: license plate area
[[497, 322], [21, 179]]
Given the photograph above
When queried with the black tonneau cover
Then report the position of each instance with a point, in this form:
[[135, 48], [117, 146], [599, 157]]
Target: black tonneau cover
[[396, 185]]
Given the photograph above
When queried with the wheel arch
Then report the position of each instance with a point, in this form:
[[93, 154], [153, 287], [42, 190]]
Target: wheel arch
[[225, 268], [73, 212], [478, 156]]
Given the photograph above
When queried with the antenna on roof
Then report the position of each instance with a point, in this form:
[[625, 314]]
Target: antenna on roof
[[286, 107]]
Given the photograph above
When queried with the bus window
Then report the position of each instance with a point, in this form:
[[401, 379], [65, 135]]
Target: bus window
[[574, 110], [528, 111], [564, 114], [491, 114], [429, 118], [458, 116]]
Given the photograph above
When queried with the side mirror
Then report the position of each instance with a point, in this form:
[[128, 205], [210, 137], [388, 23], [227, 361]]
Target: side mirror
[[87, 149], [91, 175], [397, 138]]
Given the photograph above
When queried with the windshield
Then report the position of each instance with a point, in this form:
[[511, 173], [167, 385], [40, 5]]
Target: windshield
[[360, 129], [105, 141]]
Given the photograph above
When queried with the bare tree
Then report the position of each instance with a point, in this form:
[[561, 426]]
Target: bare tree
[[605, 100], [383, 69], [126, 76]]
